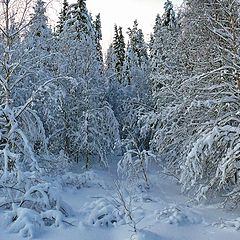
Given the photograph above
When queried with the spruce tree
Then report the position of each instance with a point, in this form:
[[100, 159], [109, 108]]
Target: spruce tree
[[119, 52], [83, 18], [39, 29], [136, 98], [98, 37], [169, 16], [138, 45], [121, 47], [38, 41], [164, 52], [165, 80], [137, 61], [62, 17]]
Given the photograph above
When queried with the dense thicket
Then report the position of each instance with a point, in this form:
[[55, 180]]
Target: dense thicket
[[174, 101]]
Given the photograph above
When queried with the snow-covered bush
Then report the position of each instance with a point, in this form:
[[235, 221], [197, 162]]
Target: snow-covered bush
[[212, 163], [53, 217], [40, 205], [24, 221], [178, 215], [43, 197], [119, 209], [102, 213], [134, 164], [235, 223], [126, 200], [78, 181]]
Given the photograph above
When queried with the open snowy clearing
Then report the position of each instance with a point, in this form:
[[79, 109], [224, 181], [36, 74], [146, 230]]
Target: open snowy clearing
[[161, 213]]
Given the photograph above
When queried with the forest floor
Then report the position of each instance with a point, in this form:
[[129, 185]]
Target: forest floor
[[161, 213]]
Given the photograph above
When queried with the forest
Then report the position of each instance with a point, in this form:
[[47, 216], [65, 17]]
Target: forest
[[167, 108]]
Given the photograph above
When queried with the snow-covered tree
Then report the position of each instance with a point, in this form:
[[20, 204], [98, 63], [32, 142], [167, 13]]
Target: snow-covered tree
[[86, 116], [118, 54], [164, 52], [62, 17], [16, 152], [218, 96], [138, 45], [22, 137], [196, 97], [169, 17], [80, 20], [134, 164], [165, 82], [156, 44], [98, 37], [38, 42], [136, 65]]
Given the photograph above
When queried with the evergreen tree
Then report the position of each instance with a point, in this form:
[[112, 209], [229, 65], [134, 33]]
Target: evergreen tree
[[121, 47], [156, 52], [119, 52], [39, 41], [169, 18], [164, 52], [38, 26], [165, 81], [154, 36], [138, 45], [110, 68], [62, 17], [80, 20], [98, 37], [136, 67], [136, 98]]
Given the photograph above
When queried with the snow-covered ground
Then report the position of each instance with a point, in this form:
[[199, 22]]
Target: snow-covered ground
[[161, 213]]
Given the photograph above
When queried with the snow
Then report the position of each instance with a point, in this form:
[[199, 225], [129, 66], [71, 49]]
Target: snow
[[27, 223], [161, 213], [178, 216]]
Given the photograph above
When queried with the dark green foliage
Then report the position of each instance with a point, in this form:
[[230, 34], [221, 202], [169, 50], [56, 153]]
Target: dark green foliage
[[98, 37], [62, 17], [119, 51]]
